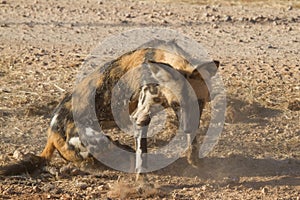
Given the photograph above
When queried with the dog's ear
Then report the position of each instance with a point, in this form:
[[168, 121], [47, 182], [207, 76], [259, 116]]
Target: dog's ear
[[217, 63], [206, 70]]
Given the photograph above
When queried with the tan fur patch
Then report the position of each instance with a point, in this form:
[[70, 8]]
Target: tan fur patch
[[56, 141], [70, 129], [176, 61], [127, 62], [49, 148]]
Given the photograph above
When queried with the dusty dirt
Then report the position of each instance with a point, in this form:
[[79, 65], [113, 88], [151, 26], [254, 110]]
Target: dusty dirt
[[43, 44]]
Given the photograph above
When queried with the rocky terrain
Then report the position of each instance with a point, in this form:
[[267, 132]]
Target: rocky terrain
[[43, 44]]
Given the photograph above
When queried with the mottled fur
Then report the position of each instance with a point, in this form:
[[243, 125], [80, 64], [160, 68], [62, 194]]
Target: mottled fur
[[97, 87]]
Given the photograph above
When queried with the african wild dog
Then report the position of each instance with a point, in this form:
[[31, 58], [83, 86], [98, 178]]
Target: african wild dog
[[158, 59]]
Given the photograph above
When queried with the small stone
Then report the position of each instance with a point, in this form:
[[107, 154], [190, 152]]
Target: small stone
[[271, 47], [228, 18], [17, 155], [215, 26], [77, 172], [57, 191], [48, 187], [290, 8], [6, 90], [252, 20], [51, 170], [82, 186], [36, 189], [242, 19], [101, 187], [4, 25], [169, 13], [264, 190], [65, 169], [128, 15]]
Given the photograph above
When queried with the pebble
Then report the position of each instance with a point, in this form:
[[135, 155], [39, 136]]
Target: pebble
[[215, 26], [51, 170], [66, 169], [242, 19], [81, 185], [128, 15], [6, 90], [271, 47], [77, 172], [48, 187], [206, 15], [17, 155], [36, 189], [57, 191], [264, 190], [4, 25], [252, 20], [169, 13], [228, 18], [100, 188]]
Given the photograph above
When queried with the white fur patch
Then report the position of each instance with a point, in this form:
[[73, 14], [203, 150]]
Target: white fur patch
[[53, 121], [84, 154], [89, 132], [138, 154], [75, 141]]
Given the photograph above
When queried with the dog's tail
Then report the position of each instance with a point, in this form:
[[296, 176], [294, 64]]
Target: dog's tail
[[28, 164]]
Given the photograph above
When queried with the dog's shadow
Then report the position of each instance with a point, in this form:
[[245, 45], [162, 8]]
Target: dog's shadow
[[285, 172], [242, 112]]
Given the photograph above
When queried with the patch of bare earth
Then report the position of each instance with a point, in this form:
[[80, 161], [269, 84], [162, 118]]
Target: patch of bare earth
[[43, 44]]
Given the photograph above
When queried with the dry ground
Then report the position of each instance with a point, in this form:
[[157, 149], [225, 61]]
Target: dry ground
[[43, 44]]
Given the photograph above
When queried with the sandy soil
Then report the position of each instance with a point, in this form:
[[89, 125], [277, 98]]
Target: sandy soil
[[43, 44]]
